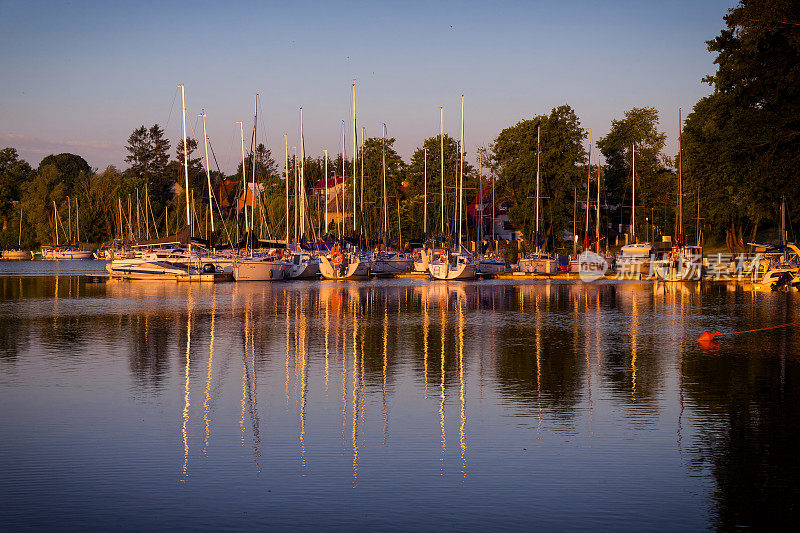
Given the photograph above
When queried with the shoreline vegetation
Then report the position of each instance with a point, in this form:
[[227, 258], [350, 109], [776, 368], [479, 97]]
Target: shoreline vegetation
[[739, 157]]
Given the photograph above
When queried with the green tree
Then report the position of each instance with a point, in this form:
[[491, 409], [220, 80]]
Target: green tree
[[655, 186], [561, 170], [741, 141], [415, 173], [13, 173], [371, 215], [148, 156], [38, 195]]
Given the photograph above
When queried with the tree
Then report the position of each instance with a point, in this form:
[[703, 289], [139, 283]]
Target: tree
[[741, 141], [371, 215], [561, 169], [13, 173], [38, 194], [148, 155], [415, 173], [637, 131], [266, 167]]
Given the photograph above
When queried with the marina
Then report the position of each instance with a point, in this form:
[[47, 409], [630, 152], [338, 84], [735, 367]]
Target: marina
[[375, 266]]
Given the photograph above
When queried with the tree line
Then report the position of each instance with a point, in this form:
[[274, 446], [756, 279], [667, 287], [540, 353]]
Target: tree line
[[739, 157]]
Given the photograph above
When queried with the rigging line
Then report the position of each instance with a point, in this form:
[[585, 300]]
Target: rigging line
[[213, 196], [171, 107]]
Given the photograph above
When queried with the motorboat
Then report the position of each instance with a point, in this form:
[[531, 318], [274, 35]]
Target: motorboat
[[538, 263], [151, 267], [635, 259], [492, 264], [16, 255]]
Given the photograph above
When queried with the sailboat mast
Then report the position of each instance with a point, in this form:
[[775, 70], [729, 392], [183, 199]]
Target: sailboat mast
[[244, 176], [302, 179], [286, 168], [461, 175], [480, 199], [355, 154], [325, 201], [383, 168], [344, 180], [494, 223], [588, 182], [538, 152], [185, 159], [55, 220], [680, 179], [363, 134], [633, 191], [69, 220], [441, 157], [425, 193], [597, 224], [296, 197], [253, 178], [77, 222], [208, 176]]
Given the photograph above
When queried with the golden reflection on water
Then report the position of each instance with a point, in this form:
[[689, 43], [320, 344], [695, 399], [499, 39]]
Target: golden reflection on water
[[383, 380], [186, 389], [462, 428], [634, 342], [538, 345], [355, 396], [206, 402], [442, 306], [425, 327], [288, 344]]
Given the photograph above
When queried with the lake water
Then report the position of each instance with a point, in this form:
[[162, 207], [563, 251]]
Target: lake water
[[393, 404]]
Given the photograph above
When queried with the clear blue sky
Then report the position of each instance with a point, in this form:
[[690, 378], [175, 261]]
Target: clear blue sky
[[80, 76]]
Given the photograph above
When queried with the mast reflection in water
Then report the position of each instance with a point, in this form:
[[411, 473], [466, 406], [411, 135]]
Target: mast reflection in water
[[301, 405]]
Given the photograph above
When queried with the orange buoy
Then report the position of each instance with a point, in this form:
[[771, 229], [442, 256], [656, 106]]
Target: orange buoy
[[708, 336]]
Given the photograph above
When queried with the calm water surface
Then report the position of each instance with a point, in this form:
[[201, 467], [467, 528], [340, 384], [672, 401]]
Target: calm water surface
[[394, 404]]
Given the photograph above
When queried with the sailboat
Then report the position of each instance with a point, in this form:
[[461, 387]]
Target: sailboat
[[67, 251], [19, 254], [538, 262], [634, 258], [458, 264], [683, 263], [252, 267], [343, 263]]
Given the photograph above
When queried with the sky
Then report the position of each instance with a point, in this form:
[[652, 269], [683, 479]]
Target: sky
[[79, 77]]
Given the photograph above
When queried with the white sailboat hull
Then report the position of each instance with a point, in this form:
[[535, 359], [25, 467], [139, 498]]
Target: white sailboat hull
[[308, 270], [448, 271], [352, 267], [257, 270]]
